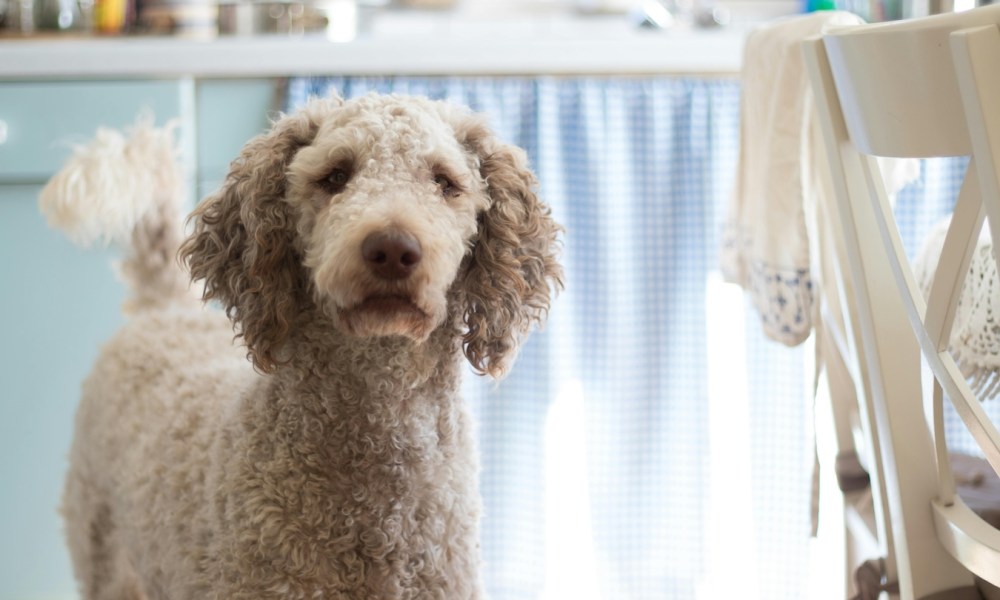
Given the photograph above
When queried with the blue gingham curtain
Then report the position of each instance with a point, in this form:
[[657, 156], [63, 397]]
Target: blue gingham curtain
[[604, 424]]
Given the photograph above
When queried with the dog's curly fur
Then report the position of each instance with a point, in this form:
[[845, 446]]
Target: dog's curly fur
[[340, 465]]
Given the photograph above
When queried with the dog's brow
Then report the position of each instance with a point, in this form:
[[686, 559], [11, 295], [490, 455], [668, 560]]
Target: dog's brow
[[339, 156], [452, 160]]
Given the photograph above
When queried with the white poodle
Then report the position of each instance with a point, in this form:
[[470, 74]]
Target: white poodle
[[359, 249]]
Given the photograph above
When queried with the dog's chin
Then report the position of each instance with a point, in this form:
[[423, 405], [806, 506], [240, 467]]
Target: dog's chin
[[378, 316]]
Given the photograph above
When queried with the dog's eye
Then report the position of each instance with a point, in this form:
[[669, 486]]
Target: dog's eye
[[446, 186], [336, 180]]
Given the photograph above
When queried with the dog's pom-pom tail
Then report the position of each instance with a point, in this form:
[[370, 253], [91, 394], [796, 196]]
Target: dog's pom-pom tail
[[127, 189], [109, 185]]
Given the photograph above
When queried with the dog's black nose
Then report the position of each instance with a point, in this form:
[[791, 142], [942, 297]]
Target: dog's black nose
[[391, 254]]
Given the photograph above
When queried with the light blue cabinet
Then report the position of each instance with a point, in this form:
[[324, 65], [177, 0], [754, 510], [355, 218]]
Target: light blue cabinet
[[58, 303], [44, 119], [229, 113], [56, 307]]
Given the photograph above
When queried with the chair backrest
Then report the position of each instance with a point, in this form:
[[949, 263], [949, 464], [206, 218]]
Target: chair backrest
[[921, 88]]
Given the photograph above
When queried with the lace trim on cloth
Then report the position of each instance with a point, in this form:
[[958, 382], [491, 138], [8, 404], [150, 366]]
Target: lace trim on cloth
[[783, 296], [975, 335]]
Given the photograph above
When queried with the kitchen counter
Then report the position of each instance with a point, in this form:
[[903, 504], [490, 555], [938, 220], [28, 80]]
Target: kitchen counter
[[401, 46]]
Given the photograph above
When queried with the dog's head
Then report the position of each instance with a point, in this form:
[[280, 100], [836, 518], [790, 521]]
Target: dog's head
[[390, 214]]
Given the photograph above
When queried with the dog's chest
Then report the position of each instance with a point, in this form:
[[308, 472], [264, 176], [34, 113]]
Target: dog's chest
[[371, 506]]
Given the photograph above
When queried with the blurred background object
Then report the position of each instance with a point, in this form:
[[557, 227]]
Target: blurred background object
[[256, 18], [113, 16], [433, 4], [60, 15], [20, 16], [607, 6], [338, 19], [182, 18], [652, 14]]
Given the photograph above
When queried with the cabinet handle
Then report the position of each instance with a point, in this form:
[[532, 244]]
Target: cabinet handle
[[3, 132]]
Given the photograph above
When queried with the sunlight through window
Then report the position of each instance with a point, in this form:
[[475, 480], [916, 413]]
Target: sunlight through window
[[729, 530], [571, 565]]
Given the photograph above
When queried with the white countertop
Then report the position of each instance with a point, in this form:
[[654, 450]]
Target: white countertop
[[566, 46]]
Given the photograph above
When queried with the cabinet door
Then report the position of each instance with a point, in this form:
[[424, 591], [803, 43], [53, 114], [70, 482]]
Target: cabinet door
[[58, 303], [43, 120], [230, 112]]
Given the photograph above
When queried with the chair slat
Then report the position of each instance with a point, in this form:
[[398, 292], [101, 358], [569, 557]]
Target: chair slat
[[975, 52], [956, 255]]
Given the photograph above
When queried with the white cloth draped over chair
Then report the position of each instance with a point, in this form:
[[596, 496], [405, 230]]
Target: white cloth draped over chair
[[780, 179]]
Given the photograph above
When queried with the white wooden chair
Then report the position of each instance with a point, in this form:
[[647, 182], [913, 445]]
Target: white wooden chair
[[919, 88]]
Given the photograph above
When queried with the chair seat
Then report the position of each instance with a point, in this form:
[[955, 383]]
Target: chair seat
[[978, 486]]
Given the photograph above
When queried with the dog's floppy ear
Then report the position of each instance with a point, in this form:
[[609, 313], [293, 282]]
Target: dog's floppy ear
[[513, 268], [243, 243]]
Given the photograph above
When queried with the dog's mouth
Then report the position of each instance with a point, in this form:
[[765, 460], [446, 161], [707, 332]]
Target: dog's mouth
[[389, 305], [386, 314]]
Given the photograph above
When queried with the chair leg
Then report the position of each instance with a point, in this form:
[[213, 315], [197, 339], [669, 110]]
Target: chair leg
[[870, 580]]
